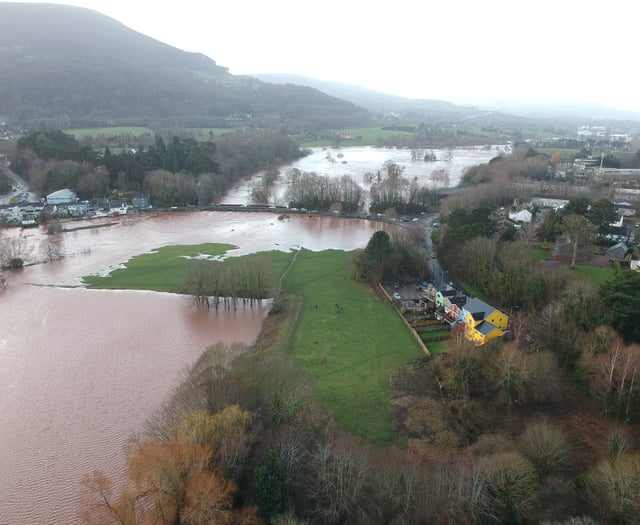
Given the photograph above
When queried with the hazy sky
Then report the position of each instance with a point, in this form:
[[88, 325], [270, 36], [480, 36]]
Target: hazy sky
[[457, 50]]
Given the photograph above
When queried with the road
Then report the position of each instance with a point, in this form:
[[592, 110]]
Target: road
[[438, 274], [18, 182]]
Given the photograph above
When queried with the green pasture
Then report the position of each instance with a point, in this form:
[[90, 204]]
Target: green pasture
[[203, 134], [347, 341], [564, 153], [367, 137], [161, 270], [596, 274], [109, 131]]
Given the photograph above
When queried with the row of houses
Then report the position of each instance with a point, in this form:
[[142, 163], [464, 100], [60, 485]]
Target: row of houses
[[482, 322], [65, 203], [523, 212], [66, 197]]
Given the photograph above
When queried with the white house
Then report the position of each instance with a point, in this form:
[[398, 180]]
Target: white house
[[520, 216], [543, 202], [64, 196], [625, 209]]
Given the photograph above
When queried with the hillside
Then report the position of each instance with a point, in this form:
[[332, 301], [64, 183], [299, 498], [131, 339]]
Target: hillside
[[69, 64], [375, 101], [509, 113]]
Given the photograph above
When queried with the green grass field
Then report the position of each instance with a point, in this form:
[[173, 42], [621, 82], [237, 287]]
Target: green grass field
[[597, 274], [437, 347], [162, 269], [204, 133], [347, 341], [109, 132], [368, 137]]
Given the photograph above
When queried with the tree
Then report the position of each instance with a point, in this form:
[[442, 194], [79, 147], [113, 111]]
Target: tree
[[551, 227], [612, 488], [512, 485], [51, 249], [616, 383], [339, 483], [577, 206], [378, 257], [270, 486], [511, 374], [178, 480], [545, 447], [601, 213], [580, 230], [173, 484], [621, 298]]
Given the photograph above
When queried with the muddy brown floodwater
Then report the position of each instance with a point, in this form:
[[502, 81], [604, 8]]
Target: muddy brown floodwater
[[81, 370]]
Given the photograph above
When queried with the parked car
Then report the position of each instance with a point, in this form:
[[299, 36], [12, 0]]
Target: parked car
[[397, 296]]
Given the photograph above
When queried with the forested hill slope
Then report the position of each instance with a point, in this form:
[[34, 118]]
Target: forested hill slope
[[53, 31], [73, 64]]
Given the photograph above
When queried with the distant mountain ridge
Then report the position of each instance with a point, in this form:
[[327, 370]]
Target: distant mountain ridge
[[375, 101], [379, 102], [74, 65]]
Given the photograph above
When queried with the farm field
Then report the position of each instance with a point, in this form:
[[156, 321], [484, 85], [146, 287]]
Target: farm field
[[161, 270], [365, 137], [108, 132], [348, 342]]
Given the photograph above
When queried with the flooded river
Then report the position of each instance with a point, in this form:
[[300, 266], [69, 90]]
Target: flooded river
[[80, 370], [446, 170]]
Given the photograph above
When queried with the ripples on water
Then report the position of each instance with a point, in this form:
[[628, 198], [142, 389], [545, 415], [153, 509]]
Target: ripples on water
[[80, 370]]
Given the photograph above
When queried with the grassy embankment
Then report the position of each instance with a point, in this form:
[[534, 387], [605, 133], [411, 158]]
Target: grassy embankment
[[347, 346]]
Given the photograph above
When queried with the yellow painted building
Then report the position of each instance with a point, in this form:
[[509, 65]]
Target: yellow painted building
[[483, 322]]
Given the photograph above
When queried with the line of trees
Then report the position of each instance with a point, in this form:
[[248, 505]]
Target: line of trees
[[389, 191], [318, 192], [182, 171], [214, 283], [400, 256]]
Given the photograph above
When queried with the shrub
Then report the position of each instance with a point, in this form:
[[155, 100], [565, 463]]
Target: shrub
[[545, 447]]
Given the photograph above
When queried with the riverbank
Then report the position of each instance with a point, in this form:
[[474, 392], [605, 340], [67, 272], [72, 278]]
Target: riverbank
[[338, 332]]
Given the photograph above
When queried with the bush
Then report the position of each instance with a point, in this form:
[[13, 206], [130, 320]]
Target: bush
[[512, 486], [612, 488], [15, 262], [545, 447]]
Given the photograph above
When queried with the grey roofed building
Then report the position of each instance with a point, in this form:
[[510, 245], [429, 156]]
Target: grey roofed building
[[64, 196], [617, 251]]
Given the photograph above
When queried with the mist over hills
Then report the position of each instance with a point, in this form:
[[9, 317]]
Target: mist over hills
[[69, 66], [32, 31], [73, 65], [496, 110], [375, 101]]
